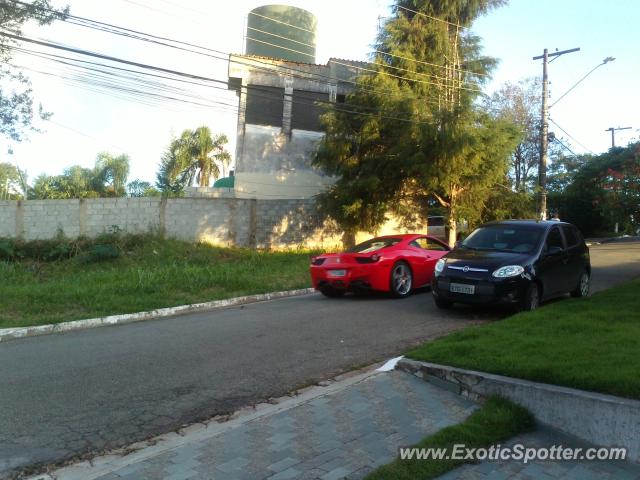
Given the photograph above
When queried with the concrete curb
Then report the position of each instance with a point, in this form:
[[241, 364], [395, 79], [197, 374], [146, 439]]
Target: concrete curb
[[596, 418], [21, 332]]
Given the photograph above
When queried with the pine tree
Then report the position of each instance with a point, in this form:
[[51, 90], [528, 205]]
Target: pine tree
[[418, 133]]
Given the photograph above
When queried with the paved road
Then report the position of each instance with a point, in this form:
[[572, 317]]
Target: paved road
[[71, 394]]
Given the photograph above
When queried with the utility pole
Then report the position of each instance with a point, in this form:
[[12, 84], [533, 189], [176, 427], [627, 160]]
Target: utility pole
[[613, 134], [544, 130]]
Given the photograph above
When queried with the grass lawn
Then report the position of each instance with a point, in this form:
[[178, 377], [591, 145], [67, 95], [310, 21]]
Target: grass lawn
[[152, 274], [496, 421], [589, 344]]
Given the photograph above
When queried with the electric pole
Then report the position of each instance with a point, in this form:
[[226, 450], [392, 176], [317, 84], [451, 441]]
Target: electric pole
[[544, 130], [613, 134]]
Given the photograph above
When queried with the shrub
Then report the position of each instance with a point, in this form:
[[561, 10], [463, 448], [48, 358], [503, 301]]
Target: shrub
[[7, 249], [100, 252]]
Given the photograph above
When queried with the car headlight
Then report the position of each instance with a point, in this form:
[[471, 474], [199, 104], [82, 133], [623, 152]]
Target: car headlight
[[508, 271], [439, 266]]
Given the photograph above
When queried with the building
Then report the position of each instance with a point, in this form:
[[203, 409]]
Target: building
[[281, 94]]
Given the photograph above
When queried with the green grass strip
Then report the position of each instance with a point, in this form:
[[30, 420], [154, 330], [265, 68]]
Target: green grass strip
[[149, 273], [496, 421], [588, 344]]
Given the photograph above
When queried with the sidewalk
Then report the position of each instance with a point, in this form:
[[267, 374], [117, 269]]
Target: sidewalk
[[345, 433], [344, 430]]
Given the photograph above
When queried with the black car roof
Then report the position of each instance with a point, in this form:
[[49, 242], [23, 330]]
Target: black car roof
[[542, 224]]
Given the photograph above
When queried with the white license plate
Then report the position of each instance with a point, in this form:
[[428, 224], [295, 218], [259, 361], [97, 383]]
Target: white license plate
[[336, 273], [462, 288]]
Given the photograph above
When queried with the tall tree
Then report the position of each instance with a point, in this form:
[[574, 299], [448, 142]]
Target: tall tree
[[16, 104], [141, 188], [11, 182], [196, 155], [418, 131], [520, 103], [111, 173], [602, 191], [108, 178]]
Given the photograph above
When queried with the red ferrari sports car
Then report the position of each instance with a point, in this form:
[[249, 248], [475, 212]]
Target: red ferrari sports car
[[393, 263]]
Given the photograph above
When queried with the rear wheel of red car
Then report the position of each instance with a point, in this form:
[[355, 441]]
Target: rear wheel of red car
[[401, 280], [332, 292]]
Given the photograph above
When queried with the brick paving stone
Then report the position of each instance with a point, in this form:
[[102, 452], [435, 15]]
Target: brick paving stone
[[342, 434]]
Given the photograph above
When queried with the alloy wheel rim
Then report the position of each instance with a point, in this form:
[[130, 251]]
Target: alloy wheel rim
[[584, 284], [402, 279]]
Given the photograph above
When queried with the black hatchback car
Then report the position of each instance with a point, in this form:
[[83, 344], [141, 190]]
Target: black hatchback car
[[515, 262]]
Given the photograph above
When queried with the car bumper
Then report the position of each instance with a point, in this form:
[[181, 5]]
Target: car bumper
[[492, 291], [357, 277]]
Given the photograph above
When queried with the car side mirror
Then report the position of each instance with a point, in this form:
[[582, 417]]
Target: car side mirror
[[553, 251]]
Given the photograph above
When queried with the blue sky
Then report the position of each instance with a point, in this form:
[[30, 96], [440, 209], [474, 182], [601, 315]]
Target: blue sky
[[85, 122]]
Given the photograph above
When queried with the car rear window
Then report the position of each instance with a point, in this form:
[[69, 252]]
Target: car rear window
[[507, 238], [374, 244], [435, 222]]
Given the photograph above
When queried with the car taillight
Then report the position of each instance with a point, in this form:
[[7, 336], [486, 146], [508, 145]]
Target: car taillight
[[317, 261], [372, 259]]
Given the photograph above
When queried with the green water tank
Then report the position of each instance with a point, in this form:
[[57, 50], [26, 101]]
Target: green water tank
[[225, 182], [282, 32]]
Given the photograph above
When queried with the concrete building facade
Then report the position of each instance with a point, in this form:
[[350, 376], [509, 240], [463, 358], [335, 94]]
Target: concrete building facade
[[280, 103]]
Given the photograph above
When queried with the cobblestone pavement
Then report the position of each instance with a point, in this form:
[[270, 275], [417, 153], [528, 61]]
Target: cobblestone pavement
[[343, 434], [546, 470]]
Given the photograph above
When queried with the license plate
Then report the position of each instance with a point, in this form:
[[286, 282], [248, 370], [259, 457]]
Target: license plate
[[336, 273], [462, 288]]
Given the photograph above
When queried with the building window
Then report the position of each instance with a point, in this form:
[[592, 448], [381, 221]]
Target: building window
[[264, 105], [307, 108]]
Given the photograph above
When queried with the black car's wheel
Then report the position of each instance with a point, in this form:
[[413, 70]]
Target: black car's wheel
[[332, 292], [401, 280], [584, 284], [531, 299], [442, 303]]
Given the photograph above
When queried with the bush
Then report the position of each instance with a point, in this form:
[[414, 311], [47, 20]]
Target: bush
[[101, 252], [107, 246], [7, 249]]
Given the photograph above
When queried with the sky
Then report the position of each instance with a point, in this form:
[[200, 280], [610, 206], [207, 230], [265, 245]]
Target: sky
[[86, 122]]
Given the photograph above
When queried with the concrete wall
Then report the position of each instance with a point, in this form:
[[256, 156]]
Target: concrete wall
[[599, 419], [224, 221]]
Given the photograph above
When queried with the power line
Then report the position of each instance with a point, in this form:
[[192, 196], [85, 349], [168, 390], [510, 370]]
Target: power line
[[93, 24], [199, 77], [406, 79], [282, 23], [431, 64], [565, 146], [571, 136], [431, 17]]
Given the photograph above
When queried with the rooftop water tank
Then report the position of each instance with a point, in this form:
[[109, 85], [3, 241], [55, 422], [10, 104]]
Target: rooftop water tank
[[282, 32]]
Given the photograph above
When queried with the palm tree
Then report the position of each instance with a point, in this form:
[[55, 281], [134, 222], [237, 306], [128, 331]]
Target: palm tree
[[196, 155], [206, 154], [111, 174]]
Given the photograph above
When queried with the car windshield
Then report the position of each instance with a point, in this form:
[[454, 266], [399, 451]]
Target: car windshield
[[504, 238], [374, 244]]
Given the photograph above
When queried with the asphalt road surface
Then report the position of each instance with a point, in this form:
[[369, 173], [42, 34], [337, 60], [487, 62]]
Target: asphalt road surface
[[81, 392]]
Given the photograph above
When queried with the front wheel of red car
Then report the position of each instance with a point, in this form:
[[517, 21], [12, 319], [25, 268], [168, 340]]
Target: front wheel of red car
[[401, 280], [332, 292]]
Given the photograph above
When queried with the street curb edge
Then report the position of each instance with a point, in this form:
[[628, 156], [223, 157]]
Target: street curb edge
[[7, 334]]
